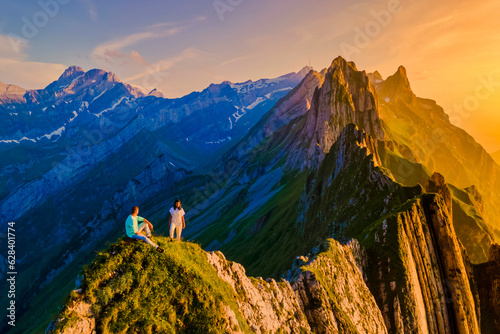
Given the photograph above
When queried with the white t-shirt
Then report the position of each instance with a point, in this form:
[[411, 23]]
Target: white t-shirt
[[177, 216]]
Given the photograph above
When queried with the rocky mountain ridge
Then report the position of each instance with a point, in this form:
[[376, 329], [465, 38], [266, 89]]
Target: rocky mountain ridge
[[324, 162]]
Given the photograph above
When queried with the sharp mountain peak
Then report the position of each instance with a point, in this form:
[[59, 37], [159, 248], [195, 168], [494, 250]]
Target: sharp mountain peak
[[72, 72], [397, 86]]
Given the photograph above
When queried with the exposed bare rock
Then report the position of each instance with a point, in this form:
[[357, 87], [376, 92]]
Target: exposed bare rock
[[346, 96], [79, 318], [437, 184], [420, 280], [487, 276], [266, 305], [329, 296], [296, 103], [334, 295], [397, 86]]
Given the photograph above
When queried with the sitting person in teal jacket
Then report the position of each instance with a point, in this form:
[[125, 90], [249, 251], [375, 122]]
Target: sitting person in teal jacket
[[136, 231]]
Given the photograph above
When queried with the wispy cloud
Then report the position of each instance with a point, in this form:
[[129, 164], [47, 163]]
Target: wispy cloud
[[112, 51], [172, 23], [152, 73], [235, 60]]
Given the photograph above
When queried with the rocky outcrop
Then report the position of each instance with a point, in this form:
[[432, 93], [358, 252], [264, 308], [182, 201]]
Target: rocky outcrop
[[296, 103], [266, 305], [77, 318], [329, 296], [417, 272], [415, 267], [436, 184], [487, 276], [466, 207], [397, 86], [338, 198], [346, 96], [334, 296]]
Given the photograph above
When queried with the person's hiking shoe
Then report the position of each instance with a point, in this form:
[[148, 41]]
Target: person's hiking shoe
[[159, 249], [171, 240]]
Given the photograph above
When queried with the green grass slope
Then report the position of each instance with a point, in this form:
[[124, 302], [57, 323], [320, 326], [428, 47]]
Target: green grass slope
[[133, 287]]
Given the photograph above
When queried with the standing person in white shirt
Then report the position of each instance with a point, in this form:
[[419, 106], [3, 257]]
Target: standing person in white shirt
[[176, 221]]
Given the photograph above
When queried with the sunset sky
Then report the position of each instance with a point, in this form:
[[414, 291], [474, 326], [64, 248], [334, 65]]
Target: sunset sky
[[451, 49]]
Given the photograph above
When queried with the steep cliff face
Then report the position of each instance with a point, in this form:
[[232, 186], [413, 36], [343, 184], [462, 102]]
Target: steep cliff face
[[416, 270], [395, 87], [295, 104], [414, 265], [334, 295], [487, 276], [266, 305], [350, 190], [346, 96], [328, 296]]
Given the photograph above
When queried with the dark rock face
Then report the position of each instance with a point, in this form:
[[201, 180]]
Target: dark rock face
[[436, 184], [487, 276]]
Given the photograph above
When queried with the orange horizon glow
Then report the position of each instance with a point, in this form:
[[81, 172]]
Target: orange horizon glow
[[449, 49]]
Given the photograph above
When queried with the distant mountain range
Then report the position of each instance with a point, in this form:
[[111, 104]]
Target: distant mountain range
[[267, 171]]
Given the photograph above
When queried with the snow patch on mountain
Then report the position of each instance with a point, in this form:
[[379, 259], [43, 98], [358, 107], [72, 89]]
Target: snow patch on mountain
[[57, 132], [278, 90], [247, 86], [83, 106], [49, 136], [218, 141], [98, 96], [255, 103], [73, 118], [113, 106]]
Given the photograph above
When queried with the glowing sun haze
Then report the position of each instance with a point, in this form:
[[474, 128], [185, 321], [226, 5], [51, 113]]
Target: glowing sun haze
[[449, 48]]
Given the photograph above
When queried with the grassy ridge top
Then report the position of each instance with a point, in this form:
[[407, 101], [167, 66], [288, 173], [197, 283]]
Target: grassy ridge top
[[133, 287]]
